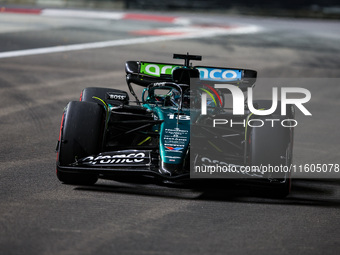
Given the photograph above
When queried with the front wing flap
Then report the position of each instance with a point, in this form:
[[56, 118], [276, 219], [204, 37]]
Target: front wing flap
[[132, 162]]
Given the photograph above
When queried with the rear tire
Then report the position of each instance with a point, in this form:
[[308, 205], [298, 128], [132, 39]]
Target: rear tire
[[81, 136], [88, 94]]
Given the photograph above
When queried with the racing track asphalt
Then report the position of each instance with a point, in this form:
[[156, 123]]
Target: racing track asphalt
[[39, 215]]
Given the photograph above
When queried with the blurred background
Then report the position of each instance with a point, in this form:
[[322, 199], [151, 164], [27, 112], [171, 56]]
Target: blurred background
[[288, 8], [48, 54]]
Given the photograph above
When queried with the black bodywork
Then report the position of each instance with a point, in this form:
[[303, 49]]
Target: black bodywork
[[127, 139]]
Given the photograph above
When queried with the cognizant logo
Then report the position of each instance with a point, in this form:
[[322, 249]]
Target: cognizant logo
[[239, 104]]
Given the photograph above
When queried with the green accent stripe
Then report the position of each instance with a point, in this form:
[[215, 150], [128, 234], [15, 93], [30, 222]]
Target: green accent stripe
[[213, 145], [146, 139], [210, 95], [106, 108]]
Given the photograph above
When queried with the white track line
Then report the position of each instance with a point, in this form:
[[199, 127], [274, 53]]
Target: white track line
[[97, 45], [82, 14]]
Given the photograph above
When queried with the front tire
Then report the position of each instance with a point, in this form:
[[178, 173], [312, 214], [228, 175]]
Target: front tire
[[80, 136], [272, 146]]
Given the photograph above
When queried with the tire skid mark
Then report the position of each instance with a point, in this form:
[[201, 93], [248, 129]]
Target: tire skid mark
[[67, 81], [107, 232], [12, 163], [14, 109], [46, 68], [28, 109]]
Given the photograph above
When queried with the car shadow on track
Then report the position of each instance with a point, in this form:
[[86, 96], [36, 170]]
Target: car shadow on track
[[324, 193]]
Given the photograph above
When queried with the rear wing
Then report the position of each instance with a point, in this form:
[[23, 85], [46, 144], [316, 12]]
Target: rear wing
[[243, 78], [143, 73]]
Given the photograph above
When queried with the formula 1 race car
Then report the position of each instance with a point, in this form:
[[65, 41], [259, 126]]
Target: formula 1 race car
[[177, 132]]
